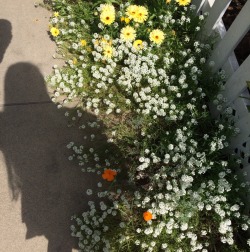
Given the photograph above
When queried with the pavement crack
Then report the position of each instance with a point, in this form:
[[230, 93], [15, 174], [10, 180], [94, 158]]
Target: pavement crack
[[24, 103]]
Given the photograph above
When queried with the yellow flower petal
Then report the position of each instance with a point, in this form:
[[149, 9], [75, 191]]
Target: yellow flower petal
[[127, 20], [157, 36], [132, 11], [183, 2], [107, 17], [128, 33], [108, 51], [138, 44], [54, 31], [83, 42], [141, 15]]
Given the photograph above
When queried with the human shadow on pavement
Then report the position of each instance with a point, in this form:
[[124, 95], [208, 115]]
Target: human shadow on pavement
[[33, 139], [5, 36]]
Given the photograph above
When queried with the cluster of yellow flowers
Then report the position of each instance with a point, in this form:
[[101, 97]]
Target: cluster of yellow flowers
[[134, 12], [106, 46], [137, 13], [128, 33]]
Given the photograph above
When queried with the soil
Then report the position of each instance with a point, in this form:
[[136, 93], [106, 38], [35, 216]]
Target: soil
[[243, 48]]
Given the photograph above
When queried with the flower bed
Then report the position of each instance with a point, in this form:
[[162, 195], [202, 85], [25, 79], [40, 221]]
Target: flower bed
[[141, 68]]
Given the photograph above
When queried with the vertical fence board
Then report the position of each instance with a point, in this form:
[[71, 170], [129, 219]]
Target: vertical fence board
[[198, 4], [215, 13], [233, 36], [244, 125], [241, 109], [237, 82]]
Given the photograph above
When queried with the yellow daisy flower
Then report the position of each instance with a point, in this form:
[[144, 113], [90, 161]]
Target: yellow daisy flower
[[141, 15], [107, 17], [54, 31], [183, 2], [108, 51], [56, 14], [83, 42], [128, 33], [138, 44], [132, 11], [157, 36]]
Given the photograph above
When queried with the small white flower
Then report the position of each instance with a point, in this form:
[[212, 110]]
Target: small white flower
[[184, 226], [89, 192], [248, 242], [244, 227], [122, 225], [164, 246], [138, 230]]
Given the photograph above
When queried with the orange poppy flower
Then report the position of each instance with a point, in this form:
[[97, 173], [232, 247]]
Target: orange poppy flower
[[147, 216], [109, 175]]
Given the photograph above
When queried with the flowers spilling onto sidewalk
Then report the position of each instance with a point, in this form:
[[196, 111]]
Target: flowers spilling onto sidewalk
[[141, 69]]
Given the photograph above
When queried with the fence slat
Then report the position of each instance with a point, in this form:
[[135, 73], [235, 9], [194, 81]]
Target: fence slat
[[233, 36], [215, 13], [199, 4], [244, 126], [241, 109], [237, 82]]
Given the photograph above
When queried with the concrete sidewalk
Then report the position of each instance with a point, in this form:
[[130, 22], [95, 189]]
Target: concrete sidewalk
[[39, 188]]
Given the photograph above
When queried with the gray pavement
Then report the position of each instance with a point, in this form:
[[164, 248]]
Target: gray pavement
[[39, 188]]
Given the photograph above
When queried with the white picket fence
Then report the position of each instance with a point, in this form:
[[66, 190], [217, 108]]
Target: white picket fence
[[224, 58]]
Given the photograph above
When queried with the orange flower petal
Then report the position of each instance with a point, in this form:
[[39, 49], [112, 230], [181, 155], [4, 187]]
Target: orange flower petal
[[104, 176], [109, 174], [110, 179], [147, 216]]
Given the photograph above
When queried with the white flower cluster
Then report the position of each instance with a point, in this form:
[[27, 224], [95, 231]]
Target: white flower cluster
[[209, 198]]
